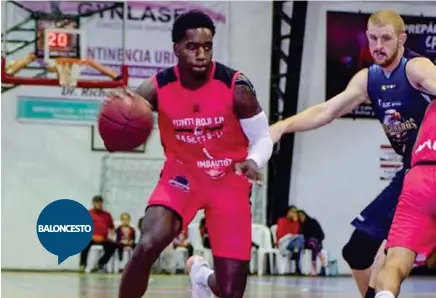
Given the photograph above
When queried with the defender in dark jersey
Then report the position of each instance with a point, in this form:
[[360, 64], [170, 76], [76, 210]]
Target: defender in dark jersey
[[398, 86], [216, 138]]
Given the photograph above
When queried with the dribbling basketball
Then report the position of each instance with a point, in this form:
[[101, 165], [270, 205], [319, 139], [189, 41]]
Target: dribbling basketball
[[125, 121], [216, 139]]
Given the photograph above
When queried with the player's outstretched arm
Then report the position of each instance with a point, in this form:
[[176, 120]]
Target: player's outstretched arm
[[422, 74], [324, 113], [254, 122], [148, 91]]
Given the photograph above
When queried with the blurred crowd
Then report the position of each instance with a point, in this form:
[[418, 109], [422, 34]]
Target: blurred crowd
[[113, 242]]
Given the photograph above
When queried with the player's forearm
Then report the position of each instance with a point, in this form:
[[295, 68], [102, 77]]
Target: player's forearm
[[147, 90], [311, 118], [261, 145]]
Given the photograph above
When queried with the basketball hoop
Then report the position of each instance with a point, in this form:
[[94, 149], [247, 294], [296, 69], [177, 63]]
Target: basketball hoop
[[59, 35], [68, 71]]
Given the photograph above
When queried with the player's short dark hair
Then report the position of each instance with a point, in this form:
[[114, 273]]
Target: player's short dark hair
[[191, 20]]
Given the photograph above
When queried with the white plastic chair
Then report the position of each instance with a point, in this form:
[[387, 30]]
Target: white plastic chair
[[253, 260], [194, 237], [180, 258], [283, 262], [306, 261], [262, 236], [94, 254]]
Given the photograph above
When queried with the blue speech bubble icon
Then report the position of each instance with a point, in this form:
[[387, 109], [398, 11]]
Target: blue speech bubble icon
[[64, 228]]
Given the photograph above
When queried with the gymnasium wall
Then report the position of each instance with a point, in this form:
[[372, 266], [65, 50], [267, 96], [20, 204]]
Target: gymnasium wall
[[43, 162], [336, 169]]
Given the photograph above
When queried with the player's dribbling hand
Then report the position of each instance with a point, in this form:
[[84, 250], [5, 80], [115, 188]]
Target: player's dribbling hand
[[121, 93], [137, 96], [250, 170]]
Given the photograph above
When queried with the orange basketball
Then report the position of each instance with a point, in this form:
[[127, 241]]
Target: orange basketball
[[125, 121]]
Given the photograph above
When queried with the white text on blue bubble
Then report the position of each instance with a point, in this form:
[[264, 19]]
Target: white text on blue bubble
[[64, 228]]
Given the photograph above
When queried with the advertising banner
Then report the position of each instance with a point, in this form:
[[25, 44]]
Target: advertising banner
[[348, 52]]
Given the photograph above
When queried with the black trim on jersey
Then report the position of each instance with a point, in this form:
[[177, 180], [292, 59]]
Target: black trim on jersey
[[242, 80], [166, 77], [224, 74]]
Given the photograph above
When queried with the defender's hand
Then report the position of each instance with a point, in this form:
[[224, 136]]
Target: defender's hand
[[276, 130], [250, 170]]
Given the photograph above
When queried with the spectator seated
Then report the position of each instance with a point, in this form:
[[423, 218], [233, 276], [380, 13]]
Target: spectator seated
[[126, 237], [289, 241], [102, 245]]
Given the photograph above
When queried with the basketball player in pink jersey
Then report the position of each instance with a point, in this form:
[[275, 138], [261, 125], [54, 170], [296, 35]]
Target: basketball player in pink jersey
[[215, 137], [412, 236]]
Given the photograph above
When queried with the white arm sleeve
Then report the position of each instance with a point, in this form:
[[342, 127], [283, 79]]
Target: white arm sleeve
[[261, 145]]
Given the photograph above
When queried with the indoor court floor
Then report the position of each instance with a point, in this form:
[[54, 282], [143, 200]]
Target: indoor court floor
[[74, 285]]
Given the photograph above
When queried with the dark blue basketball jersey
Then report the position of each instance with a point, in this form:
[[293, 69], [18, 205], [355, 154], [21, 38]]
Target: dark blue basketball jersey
[[398, 105]]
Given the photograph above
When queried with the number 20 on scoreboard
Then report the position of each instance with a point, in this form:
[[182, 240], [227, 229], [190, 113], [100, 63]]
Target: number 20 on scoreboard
[[58, 40]]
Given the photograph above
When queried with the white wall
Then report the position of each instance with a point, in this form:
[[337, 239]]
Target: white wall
[[335, 172], [45, 162], [250, 42]]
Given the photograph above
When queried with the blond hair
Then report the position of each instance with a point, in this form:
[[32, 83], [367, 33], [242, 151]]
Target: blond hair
[[125, 215], [388, 17]]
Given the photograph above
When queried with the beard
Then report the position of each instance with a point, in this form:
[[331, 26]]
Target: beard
[[392, 58]]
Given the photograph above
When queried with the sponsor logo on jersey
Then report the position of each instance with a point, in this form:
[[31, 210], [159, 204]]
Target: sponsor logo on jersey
[[388, 87], [397, 127], [198, 130], [180, 182]]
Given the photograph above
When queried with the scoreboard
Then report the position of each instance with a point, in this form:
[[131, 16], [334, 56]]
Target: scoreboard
[[58, 38]]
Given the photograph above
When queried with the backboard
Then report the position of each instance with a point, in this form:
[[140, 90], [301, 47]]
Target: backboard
[[59, 52], [59, 37]]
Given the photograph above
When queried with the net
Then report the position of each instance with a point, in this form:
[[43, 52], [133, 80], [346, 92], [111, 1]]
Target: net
[[68, 71], [127, 182]]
